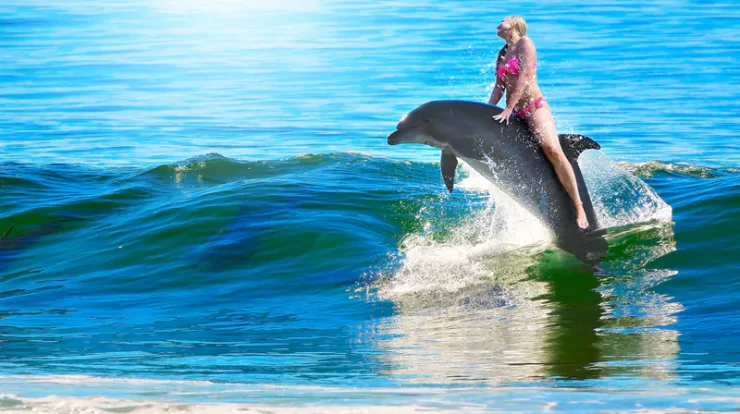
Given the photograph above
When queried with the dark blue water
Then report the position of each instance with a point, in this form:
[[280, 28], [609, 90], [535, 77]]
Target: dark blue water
[[201, 212]]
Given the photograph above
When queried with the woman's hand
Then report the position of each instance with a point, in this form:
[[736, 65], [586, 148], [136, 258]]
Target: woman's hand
[[504, 116]]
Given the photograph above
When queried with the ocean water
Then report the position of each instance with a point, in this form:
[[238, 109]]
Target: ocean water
[[201, 213]]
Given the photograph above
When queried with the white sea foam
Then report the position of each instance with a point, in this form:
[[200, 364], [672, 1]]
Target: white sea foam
[[101, 405], [80, 395], [466, 255], [501, 227]]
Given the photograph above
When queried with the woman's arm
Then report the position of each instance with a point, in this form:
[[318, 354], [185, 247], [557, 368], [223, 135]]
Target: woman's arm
[[527, 56], [498, 90]]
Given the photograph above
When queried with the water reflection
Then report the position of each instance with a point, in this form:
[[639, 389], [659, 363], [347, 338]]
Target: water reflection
[[575, 320], [537, 316]]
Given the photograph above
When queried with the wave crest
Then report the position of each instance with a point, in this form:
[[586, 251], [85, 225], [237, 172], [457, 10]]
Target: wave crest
[[651, 168]]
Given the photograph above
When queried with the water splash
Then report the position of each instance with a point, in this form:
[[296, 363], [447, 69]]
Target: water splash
[[501, 226], [619, 197]]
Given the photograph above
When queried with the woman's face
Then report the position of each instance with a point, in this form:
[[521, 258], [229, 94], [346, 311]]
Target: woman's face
[[503, 29]]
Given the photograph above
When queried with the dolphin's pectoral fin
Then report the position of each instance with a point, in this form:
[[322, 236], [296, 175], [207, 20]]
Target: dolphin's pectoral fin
[[573, 145], [448, 164]]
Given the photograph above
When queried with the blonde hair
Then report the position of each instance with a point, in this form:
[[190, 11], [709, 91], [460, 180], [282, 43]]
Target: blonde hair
[[518, 23]]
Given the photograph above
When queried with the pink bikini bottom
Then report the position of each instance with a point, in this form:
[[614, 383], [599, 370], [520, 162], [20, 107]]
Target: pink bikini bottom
[[536, 104]]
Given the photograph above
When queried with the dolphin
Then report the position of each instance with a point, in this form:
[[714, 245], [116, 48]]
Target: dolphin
[[511, 158]]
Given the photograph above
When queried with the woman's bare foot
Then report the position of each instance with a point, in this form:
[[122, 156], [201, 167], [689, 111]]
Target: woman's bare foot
[[581, 219]]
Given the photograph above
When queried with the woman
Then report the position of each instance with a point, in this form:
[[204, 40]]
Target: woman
[[516, 73]]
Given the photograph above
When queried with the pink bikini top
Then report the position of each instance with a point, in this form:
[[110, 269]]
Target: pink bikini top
[[512, 66]]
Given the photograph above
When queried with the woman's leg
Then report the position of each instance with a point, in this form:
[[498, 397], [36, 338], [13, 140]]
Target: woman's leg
[[542, 126]]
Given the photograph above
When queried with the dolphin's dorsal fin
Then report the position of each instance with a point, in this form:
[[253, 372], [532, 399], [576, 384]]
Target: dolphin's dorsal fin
[[573, 145], [448, 164]]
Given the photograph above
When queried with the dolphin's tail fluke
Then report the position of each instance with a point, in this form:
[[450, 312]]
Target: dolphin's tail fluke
[[573, 145], [591, 247]]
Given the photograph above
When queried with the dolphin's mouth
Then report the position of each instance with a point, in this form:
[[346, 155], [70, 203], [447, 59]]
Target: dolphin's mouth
[[394, 138]]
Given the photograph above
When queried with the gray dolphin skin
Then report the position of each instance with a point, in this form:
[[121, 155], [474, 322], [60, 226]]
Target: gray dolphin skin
[[511, 158]]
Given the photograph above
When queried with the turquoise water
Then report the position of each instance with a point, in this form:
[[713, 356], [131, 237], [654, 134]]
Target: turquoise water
[[202, 212]]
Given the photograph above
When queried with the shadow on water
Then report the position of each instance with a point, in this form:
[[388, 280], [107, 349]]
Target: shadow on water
[[14, 241], [536, 316]]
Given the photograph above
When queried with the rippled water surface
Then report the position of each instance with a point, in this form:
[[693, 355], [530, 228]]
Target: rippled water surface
[[201, 213]]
